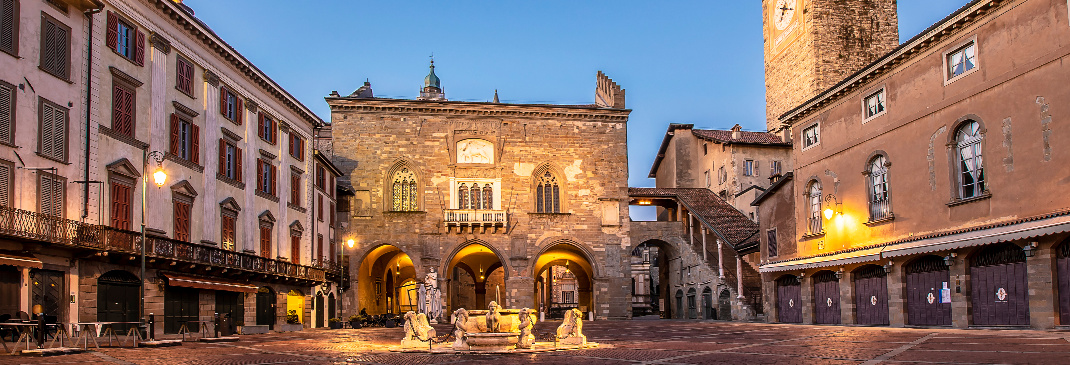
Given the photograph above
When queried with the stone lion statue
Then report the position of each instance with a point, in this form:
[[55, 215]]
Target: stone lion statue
[[570, 332], [460, 321], [494, 317], [527, 340], [417, 330]]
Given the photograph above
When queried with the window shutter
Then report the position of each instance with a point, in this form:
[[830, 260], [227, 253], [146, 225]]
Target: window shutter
[[46, 129], [222, 157], [294, 181], [237, 164], [9, 23], [756, 170], [274, 132], [5, 185], [139, 48], [113, 31], [290, 143], [44, 192], [223, 100], [274, 181], [238, 110], [195, 148], [7, 112], [260, 126], [260, 175], [59, 133], [175, 138]]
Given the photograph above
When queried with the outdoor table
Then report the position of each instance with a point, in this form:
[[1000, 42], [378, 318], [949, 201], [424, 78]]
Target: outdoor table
[[202, 328], [26, 330], [108, 331]]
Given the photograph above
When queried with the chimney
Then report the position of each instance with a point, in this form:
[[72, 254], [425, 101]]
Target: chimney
[[736, 131]]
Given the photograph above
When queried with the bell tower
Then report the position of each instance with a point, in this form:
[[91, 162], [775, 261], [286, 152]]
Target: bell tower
[[810, 45]]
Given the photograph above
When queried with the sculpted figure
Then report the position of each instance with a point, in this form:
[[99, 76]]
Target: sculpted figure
[[410, 330], [417, 331], [460, 319], [433, 302], [570, 332], [493, 318], [527, 340]]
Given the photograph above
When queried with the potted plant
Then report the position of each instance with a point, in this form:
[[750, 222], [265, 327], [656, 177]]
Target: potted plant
[[291, 317], [335, 323], [355, 321]]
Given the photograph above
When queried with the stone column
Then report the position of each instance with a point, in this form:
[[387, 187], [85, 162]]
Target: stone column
[[157, 216], [960, 298], [806, 300], [691, 229], [703, 230], [248, 217], [1043, 304], [739, 276], [210, 142], [897, 307], [720, 260], [847, 298]]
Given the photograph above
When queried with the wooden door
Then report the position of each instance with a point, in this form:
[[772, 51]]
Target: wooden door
[[871, 295], [118, 299], [925, 279], [319, 310], [679, 304], [331, 312], [707, 304], [265, 307], [998, 287], [724, 306], [49, 291], [1062, 262], [10, 289], [789, 307], [231, 303], [826, 298], [180, 306]]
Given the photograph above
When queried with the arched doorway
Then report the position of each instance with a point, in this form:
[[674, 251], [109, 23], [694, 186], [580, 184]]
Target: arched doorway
[[650, 273], [826, 298], [707, 304], [381, 272], [724, 305], [679, 304], [567, 278], [332, 311], [118, 298], [692, 310], [319, 310], [1062, 263], [265, 307], [871, 295], [477, 277], [926, 277], [295, 307], [789, 308], [998, 283], [10, 289]]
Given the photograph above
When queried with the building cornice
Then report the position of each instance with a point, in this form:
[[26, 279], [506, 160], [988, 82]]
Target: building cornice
[[949, 26], [462, 108]]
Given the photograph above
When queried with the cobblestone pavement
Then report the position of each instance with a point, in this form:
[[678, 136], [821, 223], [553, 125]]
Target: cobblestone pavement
[[625, 342]]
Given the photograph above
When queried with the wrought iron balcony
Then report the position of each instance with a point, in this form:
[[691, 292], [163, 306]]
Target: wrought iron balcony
[[35, 226], [474, 218]]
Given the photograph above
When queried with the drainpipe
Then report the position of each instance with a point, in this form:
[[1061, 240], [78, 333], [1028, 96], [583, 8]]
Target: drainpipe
[[88, 103]]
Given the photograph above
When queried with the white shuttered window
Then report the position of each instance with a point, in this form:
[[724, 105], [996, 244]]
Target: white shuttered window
[[51, 191], [53, 132]]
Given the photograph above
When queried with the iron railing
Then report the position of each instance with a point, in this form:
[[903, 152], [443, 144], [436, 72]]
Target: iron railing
[[40, 227]]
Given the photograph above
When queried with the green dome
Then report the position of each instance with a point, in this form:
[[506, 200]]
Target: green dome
[[432, 80]]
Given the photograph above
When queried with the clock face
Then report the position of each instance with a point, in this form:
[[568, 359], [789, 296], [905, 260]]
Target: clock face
[[783, 14]]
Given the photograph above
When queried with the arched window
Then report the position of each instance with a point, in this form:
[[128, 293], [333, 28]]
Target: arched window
[[488, 197], [403, 191], [880, 207], [462, 196], [970, 167], [547, 194], [813, 193], [477, 197]]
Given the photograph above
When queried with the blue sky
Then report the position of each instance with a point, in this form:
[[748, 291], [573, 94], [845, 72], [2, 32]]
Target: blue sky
[[681, 62]]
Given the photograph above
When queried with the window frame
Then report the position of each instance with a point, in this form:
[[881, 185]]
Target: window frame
[[772, 247], [957, 161], [404, 195], [815, 224], [66, 76], [131, 109], [58, 180], [175, 203], [816, 126], [548, 197], [882, 96], [748, 167], [296, 146], [956, 48], [226, 214], [266, 123], [12, 114], [226, 107], [119, 182], [295, 189], [15, 24], [189, 147], [180, 77], [9, 190], [871, 187], [234, 164], [266, 177], [66, 124]]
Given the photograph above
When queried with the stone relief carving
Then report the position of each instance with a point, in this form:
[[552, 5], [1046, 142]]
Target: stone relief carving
[[474, 150]]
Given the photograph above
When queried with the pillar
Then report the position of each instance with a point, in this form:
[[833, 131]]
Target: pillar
[[806, 300], [158, 112], [897, 304], [210, 138], [847, 298], [703, 243], [960, 298], [1043, 303], [720, 260]]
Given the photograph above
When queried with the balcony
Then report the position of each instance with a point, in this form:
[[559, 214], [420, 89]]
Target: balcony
[[161, 252], [475, 219]]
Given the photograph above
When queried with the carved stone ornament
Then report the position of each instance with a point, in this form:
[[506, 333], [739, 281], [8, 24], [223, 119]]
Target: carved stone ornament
[[211, 77], [160, 43]]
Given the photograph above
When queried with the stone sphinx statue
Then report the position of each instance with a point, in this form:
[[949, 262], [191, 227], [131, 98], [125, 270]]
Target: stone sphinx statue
[[527, 340], [418, 333], [570, 332], [460, 321], [494, 318]]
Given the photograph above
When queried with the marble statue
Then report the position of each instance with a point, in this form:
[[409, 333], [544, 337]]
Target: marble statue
[[494, 317], [527, 340], [570, 332], [433, 296], [418, 333], [460, 321]]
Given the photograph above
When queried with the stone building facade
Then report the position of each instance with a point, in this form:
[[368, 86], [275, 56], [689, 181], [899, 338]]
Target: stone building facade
[[464, 190], [928, 187], [150, 88], [810, 45]]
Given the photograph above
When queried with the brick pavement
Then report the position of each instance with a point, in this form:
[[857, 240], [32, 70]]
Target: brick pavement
[[626, 342]]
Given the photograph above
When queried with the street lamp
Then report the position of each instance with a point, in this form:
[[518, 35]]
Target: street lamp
[[159, 178]]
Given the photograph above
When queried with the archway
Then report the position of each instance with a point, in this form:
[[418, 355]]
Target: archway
[[999, 286], [566, 276], [826, 298], [925, 279], [871, 295], [295, 307], [788, 305], [707, 304], [118, 298], [692, 310], [650, 272], [477, 277], [318, 321], [265, 307], [382, 271], [724, 305]]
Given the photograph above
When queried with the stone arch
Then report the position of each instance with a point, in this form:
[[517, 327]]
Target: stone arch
[[470, 289], [379, 267], [962, 121], [549, 242], [457, 249]]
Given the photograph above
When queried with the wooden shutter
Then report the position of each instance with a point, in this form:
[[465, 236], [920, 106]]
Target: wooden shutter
[[113, 31], [260, 175], [9, 26], [265, 242], [319, 207], [182, 211], [274, 181], [237, 164], [223, 100], [238, 109], [260, 125], [295, 180], [222, 157], [195, 143], [5, 185], [139, 48], [122, 111], [319, 247], [290, 144], [44, 194], [274, 132], [331, 221], [120, 206], [295, 249], [59, 133], [175, 135], [54, 48], [7, 113]]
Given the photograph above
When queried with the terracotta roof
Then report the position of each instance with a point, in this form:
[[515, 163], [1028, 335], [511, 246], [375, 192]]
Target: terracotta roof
[[721, 136], [725, 220]]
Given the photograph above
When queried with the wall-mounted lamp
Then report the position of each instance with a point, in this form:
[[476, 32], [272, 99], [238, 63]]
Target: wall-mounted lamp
[[888, 267], [644, 202], [1030, 249], [833, 206], [839, 274], [800, 276], [949, 259]]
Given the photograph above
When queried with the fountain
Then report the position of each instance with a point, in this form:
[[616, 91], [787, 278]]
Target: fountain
[[495, 330]]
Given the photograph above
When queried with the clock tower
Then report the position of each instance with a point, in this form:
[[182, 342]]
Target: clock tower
[[810, 45]]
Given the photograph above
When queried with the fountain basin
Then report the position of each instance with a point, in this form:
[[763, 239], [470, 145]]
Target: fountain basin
[[492, 341], [510, 320]]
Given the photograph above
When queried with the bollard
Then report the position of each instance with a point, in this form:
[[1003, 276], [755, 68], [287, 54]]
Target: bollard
[[216, 326], [40, 329], [152, 327]]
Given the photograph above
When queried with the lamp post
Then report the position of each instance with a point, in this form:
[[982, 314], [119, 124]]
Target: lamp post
[[159, 178], [342, 262]]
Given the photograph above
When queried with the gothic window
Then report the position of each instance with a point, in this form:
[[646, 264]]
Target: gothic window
[[403, 191], [462, 197], [970, 167], [476, 197], [813, 194], [547, 194], [488, 197], [880, 206]]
